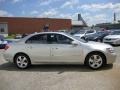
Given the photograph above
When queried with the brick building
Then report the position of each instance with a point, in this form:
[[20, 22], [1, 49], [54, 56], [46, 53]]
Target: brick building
[[20, 25]]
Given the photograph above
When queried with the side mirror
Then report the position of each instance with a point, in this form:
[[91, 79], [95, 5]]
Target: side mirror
[[75, 43]]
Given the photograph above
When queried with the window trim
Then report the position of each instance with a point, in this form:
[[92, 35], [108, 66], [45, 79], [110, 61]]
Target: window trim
[[66, 37], [33, 36], [47, 41]]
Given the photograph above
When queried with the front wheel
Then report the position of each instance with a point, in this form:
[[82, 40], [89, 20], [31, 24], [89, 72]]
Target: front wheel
[[95, 60], [22, 61]]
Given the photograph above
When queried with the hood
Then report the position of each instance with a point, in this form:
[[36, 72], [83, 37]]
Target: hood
[[113, 36], [78, 35], [98, 45]]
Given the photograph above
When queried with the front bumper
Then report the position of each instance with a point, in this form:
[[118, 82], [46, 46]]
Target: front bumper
[[111, 58]]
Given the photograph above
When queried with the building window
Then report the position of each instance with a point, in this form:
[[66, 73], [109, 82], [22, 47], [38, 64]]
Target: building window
[[2, 30]]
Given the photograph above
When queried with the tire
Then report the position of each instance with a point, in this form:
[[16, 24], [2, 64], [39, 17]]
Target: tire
[[95, 60], [83, 38], [22, 61]]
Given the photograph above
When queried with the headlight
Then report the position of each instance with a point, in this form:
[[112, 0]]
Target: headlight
[[111, 50]]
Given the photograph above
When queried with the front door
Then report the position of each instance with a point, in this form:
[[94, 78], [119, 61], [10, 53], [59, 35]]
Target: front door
[[66, 53], [63, 51]]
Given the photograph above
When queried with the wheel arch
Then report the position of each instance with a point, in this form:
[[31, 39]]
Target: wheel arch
[[92, 52], [20, 53]]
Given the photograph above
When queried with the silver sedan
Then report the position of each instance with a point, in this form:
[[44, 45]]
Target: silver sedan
[[113, 38], [58, 48]]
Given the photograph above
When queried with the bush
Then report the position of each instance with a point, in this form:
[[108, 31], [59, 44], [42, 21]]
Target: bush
[[11, 36]]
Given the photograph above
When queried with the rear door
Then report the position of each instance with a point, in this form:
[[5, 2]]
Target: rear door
[[38, 49]]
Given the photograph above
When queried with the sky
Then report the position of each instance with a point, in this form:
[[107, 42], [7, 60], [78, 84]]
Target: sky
[[92, 11]]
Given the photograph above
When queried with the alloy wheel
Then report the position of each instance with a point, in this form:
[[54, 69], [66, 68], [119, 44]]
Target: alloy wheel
[[95, 61], [22, 61]]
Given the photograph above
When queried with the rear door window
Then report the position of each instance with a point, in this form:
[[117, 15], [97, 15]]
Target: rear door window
[[38, 39]]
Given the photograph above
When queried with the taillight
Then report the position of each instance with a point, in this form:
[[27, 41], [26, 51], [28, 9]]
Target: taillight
[[6, 47]]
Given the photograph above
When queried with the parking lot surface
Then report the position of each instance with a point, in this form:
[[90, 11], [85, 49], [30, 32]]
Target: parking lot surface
[[60, 77]]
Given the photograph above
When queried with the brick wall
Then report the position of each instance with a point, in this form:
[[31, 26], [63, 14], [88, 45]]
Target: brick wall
[[20, 25]]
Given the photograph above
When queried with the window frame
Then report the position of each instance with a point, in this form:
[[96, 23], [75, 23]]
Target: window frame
[[65, 37], [2, 30], [26, 41]]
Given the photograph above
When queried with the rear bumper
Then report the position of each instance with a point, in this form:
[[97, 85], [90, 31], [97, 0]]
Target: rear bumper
[[8, 57]]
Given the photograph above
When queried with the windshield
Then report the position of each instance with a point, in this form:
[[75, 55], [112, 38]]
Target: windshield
[[81, 32], [101, 33], [115, 33]]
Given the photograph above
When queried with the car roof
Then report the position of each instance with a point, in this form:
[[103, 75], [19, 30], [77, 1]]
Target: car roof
[[63, 33], [48, 32]]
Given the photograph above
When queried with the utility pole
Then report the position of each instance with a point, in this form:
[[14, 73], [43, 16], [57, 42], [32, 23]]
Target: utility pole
[[114, 17]]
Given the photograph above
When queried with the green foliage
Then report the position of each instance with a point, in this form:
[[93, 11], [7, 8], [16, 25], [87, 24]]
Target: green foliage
[[11, 36]]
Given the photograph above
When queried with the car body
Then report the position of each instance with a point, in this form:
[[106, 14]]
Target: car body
[[5, 42], [113, 38], [98, 36], [72, 31], [18, 36], [2, 42], [24, 35], [82, 33], [63, 30], [58, 48]]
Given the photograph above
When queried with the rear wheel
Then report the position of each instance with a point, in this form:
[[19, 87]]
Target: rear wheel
[[22, 61], [95, 60]]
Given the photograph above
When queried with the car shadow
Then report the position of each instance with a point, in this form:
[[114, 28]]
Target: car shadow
[[53, 68]]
